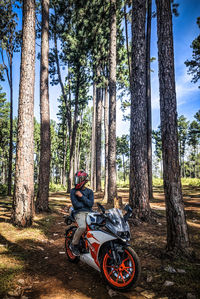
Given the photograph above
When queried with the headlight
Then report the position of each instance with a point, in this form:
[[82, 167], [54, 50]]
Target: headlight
[[124, 235]]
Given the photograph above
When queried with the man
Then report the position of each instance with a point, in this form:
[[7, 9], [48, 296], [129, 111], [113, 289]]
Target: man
[[82, 200]]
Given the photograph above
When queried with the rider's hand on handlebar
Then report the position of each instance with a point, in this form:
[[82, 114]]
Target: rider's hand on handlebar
[[78, 193]]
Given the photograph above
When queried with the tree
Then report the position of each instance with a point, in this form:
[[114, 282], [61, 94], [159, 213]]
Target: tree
[[23, 207], [68, 26], [193, 141], [99, 101], [4, 136], [8, 42], [123, 150], [177, 233], [127, 42], [36, 150], [139, 194], [194, 64], [183, 125], [106, 142], [93, 143], [148, 97], [156, 135], [112, 187], [45, 151]]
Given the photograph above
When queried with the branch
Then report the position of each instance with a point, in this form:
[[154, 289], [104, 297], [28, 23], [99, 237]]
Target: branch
[[5, 67]]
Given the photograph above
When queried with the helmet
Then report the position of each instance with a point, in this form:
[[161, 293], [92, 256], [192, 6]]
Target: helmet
[[80, 179]]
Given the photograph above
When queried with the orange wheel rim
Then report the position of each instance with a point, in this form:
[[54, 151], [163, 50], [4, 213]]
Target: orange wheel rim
[[119, 276], [70, 254]]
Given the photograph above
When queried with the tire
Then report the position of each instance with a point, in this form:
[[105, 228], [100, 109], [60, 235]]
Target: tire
[[121, 278], [68, 238]]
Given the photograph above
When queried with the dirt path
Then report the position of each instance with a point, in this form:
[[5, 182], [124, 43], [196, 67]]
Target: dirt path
[[48, 274]]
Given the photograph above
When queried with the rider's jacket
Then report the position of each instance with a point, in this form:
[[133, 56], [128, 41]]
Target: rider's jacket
[[83, 203]]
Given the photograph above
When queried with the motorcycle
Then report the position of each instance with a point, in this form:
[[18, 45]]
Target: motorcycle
[[105, 246]]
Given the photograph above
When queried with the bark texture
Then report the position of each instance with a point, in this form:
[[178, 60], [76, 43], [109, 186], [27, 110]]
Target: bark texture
[[148, 98], [139, 195], [98, 137], [112, 174], [11, 128], [127, 42], [24, 177], [106, 143], [177, 233], [42, 202], [93, 144]]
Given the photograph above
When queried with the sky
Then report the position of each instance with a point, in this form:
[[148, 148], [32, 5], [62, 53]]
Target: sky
[[185, 31]]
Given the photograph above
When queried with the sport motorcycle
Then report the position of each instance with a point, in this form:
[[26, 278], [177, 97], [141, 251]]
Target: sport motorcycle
[[105, 246]]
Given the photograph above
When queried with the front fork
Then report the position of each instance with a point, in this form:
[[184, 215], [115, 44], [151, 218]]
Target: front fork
[[116, 249]]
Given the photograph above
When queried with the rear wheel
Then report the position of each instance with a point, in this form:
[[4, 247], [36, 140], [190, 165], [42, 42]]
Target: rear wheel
[[68, 238], [125, 275]]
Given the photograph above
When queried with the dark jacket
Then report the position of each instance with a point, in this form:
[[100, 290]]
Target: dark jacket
[[83, 203]]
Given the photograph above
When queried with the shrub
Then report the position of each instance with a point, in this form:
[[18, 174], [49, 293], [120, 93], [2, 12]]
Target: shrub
[[3, 189], [56, 187]]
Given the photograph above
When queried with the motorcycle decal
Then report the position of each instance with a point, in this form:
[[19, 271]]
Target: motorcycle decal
[[89, 235], [94, 247]]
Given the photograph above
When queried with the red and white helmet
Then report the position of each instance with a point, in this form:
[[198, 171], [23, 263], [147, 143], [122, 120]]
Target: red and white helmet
[[80, 179]]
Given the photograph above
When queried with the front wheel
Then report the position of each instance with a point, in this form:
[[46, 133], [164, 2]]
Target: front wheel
[[125, 275]]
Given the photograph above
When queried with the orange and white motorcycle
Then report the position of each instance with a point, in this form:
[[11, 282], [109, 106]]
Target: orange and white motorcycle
[[104, 246]]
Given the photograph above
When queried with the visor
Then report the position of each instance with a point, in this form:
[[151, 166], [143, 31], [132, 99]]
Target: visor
[[79, 179]]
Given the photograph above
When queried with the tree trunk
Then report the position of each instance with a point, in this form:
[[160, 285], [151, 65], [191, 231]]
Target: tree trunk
[[139, 193], [42, 202], [177, 233], [148, 99], [73, 136], [112, 176], [124, 173], [106, 143], [127, 45], [11, 132], [75, 158], [98, 138], [64, 159], [23, 207], [93, 142]]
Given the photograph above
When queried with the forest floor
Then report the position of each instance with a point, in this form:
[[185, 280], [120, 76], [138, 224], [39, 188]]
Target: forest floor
[[33, 262]]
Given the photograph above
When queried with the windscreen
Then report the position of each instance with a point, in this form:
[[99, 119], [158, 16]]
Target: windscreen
[[118, 225]]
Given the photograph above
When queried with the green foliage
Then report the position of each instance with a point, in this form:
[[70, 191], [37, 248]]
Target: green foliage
[[193, 182], [9, 37], [183, 126], [123, 184], [85, 135], [188, 142], [3, 189], [194, 64], [157, 182], [4, 135], [36, 149], [194, 134], [156, 136], [56, 187]]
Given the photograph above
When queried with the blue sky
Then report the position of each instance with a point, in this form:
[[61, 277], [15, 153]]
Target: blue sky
[[188, 94]]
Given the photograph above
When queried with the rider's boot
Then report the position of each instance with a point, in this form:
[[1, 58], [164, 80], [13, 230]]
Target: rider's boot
[[74, 249]]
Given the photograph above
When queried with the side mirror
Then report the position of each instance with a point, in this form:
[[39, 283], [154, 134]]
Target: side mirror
[[128, 208], [101, 207], [128, 214]]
